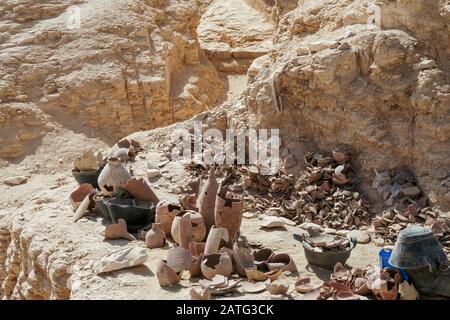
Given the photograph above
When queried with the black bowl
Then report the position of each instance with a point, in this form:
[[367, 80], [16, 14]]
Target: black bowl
[[100, 204], [138, 214], [326, 259], [90, 177]]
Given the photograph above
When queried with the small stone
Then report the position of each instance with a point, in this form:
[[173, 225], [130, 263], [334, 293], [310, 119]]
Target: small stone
[[361, 236], [342, 233], [441, 173], [153, 173], [425, 64], [271, 222], [302, 51], [345, 45], [15, 181], [379, 242], [411, 191], [320, 45], [290, 161], [250, 214], [311, 227]]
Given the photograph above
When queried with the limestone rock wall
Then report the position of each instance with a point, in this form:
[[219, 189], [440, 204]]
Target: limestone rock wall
[[386, 93], [132, 65]]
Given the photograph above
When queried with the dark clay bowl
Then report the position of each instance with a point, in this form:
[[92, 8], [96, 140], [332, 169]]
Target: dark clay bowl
[[138, 214], [100, 204], [90, 177], [327, 259]]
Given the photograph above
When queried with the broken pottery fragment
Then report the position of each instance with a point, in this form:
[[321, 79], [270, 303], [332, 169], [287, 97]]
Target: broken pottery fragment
[[196, 269], [88, 162], [118, 231], [156, 237], [167, 277], [217, 264], [408, 292], [243, 259], [255, 275], [200, 293], [179, 259], [253, 287], [217, 238], [80, 194], [189, 202], [270, 222], [85, 206], [121, 259], [114, 174], [188, 226], [182, 230], [278, 287], [123, 154], [207, 199], [140, 190], [305, 285], [281, 261], [197, 248], [262, 256], [228, 213], [165, 213]]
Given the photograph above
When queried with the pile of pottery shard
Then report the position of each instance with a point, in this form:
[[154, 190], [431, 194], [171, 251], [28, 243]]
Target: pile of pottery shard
[[326, 193], [209, 246], [107, 186], [407, 206], [345, 284]]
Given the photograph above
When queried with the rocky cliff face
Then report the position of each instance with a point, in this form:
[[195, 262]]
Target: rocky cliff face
[[316, 70], [333, 79], [130, 66]]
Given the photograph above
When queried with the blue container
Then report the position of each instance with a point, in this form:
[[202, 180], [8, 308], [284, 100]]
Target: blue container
[[384, 263]]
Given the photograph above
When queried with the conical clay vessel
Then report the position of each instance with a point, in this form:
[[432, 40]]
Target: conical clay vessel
[[228, 213], [207, 199]]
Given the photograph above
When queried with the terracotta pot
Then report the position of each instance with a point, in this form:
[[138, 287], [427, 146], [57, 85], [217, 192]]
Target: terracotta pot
[[166, 275], [228, 213], [277, 287], [197, 248], [189, 202], [207, 199], [217, 238], [138, 214], [118, 231], [80, 193], [179, 259], [196, 269], [244, 259], [100, 203], [188, 226], [114, 174], [283, 262], [217, 263], [155, 238], [140, 190], [262, 256], [165, 213], [200, 294]]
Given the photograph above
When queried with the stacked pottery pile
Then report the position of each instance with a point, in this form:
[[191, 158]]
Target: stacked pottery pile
[[355, 284], [407, 206], [87, 168], [326, 194], [393, 220], [128, 202], [208, 245]]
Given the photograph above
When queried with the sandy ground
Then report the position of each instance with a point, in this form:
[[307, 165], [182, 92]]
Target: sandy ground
[[42, 205]]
